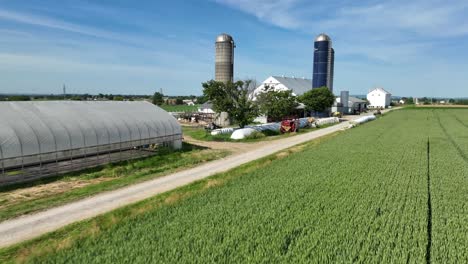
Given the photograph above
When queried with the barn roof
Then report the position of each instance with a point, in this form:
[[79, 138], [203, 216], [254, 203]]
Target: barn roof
[[298, 85], [380, 90]]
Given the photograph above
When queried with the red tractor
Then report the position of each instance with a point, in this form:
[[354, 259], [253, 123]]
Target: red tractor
[[290, 124]]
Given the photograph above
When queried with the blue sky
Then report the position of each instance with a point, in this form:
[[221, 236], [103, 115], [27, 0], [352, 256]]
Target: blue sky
[[411, 48]]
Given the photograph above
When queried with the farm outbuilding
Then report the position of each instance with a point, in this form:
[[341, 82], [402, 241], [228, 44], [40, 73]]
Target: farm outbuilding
[[39, 139]]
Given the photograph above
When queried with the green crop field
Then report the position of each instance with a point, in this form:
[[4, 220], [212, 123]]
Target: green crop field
[[391, 191], [180, 108]]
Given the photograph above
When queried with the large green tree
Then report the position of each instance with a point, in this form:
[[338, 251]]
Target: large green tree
[[276, 104], [158, 98], [318, 99], [232, 98]]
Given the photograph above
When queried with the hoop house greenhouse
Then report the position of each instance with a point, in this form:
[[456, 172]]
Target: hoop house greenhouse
[[39, 139]]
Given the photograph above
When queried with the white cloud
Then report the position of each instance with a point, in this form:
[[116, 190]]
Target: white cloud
[[388, 31], [276, 12], [53, 23], [424, 18]]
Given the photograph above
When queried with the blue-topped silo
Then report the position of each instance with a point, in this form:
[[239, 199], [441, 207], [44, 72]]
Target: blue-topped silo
[[324, 59]]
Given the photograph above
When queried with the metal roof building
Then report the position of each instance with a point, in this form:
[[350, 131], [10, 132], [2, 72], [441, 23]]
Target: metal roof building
[[297, 85], [83, 134]]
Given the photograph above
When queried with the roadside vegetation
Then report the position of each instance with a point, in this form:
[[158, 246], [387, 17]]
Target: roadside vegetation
[[391, 191], [26, 198]]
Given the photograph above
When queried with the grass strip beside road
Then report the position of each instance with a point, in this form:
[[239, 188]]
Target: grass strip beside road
[[51, 192], [77, 233]]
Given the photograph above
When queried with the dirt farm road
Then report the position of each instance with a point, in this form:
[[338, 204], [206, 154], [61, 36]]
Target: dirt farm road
[[30, 226]]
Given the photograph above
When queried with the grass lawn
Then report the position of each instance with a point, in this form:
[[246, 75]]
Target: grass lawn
[[46, 193], [180, 108]]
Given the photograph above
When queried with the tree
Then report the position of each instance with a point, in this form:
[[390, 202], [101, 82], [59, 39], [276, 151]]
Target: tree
[[276, 104], [19, 98], [118, 98], [158, 98], [232, 98], [179, 101], [201, 99], [318, 99]]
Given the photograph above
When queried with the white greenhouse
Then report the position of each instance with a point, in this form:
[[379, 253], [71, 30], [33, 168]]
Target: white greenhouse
[[39, 139]]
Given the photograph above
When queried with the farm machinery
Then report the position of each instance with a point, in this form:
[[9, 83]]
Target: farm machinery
[[289, 124]]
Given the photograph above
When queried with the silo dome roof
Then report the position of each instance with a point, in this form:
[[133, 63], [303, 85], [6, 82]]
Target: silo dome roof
[[224, 38], [323, 37]]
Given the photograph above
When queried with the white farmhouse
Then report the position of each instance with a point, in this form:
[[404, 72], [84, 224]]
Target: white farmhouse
[[379, 98]]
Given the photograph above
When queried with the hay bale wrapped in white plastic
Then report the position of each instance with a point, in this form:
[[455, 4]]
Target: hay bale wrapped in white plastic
[[269, 126], [327, 121], [303, 122], [242, 133], [364, 119], [220, 131]]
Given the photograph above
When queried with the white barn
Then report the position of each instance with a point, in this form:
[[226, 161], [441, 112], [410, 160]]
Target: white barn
[[297, 85], [379, 98]]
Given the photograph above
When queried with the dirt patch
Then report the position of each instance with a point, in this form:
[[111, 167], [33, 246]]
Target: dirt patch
[[213, 183], [45, 190], [233, 147], [173, 198]]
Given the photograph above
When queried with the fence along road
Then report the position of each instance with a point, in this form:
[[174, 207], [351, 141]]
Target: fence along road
[[30, 226]]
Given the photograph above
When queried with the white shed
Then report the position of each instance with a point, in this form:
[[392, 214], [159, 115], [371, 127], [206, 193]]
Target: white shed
[[379, 98]]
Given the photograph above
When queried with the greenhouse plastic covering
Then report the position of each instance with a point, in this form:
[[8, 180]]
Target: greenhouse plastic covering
[[32, 128]]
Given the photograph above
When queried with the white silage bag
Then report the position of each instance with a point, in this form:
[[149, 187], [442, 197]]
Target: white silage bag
[[242, 133], [222, 131], [327, 121], [364, 119]]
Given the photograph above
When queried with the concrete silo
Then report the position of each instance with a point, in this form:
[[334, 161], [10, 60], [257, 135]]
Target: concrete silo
[[344, 99], [224, 68]]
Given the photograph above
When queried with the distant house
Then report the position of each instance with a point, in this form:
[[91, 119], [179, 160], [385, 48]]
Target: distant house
[[206, 108], [401, 101], [188, 102], [379, 98], [170, 101]]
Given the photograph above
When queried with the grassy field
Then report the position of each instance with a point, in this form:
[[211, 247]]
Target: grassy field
[[30, 197], [394, 190], [180, 108]]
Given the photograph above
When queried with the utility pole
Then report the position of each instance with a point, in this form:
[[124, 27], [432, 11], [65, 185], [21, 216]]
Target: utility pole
[[64, 92]]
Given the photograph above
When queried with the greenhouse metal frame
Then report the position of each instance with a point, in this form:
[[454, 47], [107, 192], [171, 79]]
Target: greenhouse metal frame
[[40, 139]]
